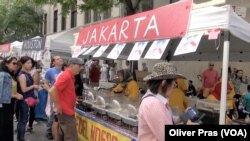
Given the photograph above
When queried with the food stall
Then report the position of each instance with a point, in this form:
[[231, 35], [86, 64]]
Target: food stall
[[119, 31], [99, 113], [102, 115]]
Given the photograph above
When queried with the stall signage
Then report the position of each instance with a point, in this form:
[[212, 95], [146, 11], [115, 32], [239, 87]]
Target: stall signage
[[188, 44], [89, 130], [4, 48], [164, 22], [34, 44]]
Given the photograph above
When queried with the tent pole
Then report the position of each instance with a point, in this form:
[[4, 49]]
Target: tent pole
[[224, 79]]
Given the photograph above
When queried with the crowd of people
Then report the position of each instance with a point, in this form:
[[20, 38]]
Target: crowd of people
[[20, 81]]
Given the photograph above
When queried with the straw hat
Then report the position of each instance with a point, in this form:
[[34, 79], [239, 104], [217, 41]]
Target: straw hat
[[163, 70]]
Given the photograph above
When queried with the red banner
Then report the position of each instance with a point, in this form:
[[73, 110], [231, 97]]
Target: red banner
[[4, 48], [161, 23]]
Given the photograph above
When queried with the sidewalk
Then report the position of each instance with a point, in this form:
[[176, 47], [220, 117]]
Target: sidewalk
[[38, 133]]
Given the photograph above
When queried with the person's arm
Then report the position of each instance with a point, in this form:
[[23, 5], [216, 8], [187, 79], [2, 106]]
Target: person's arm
[[118, 88], [46, 85], [46, 81], [54, 98], [23, 85], [246, 80], [203, 77], [17, 96], [36, 76]]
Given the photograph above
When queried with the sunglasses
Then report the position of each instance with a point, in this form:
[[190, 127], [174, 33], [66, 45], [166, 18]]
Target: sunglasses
[[211, 65]]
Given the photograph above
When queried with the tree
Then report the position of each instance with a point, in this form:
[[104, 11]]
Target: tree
[[131, 6], [19, 20]]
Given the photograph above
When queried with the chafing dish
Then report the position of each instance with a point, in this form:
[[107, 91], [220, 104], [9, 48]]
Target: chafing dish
[[114, 111]]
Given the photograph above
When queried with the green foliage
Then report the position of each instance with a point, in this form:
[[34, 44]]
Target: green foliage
[[19, 20], [96, 5]]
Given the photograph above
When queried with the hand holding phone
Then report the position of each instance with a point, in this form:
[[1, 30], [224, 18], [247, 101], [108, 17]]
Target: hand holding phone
[[191, 114]]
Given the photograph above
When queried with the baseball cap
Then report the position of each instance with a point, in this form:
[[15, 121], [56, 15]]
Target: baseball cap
[[77, 61]]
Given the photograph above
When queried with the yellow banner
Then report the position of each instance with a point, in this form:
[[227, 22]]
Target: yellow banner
[[89, 130]]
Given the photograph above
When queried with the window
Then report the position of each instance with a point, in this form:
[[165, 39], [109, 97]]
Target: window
[[97, 16], [107, 14], [73, 18], [87, 17], [63, 23], [45, 24], [55, 21], [147, 5]]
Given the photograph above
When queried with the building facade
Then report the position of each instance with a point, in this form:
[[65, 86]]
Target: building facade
[[55, 22]]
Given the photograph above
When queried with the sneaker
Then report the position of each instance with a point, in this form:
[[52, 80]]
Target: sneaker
[[49, 136], [35, 123]]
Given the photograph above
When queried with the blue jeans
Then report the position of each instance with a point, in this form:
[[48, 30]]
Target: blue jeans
[[22, 120], [50, 122]]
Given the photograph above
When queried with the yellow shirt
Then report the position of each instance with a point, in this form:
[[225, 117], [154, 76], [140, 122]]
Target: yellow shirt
[[178, 99], [230, 97], [181, 84], [14, 87], [132, 90]]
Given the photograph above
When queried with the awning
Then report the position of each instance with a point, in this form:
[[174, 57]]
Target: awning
[[203, 20], [124, 54], [62, 43]]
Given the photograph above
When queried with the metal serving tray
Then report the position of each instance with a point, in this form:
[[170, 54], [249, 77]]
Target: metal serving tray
[[132, 121]]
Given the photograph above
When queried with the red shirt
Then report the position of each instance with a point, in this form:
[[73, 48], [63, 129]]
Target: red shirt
[[94, 74], [66, 92], [210, 77], [217, 90]]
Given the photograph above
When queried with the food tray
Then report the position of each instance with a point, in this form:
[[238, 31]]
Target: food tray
[[87, 104], [130, 121], [114, 115], [209, 105]]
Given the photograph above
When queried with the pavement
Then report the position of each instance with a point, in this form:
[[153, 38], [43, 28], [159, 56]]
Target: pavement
[[38, 134]]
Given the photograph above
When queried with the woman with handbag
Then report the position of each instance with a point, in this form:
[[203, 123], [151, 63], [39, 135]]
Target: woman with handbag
[[8, 94], [26, 88]]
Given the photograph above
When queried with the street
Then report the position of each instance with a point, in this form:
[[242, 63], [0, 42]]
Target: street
[[38, 134]]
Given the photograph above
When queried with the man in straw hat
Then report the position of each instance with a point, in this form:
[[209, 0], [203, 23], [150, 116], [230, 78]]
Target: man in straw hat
[[154, 112]]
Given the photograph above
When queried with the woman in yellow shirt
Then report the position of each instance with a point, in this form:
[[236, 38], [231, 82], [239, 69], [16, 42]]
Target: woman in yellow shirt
[[127, 85]]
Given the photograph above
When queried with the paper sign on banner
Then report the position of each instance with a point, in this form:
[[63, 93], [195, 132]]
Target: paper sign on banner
[[157, 49], [76, 51], [213, 34], [100, 51], [116, 51], [90, 50], [188, 44], [82, 51], [137, 50]]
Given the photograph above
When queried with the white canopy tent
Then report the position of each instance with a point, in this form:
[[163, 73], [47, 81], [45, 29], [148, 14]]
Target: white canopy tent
[[222, 18], [16, 47], [235, 34], [61, 44]]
